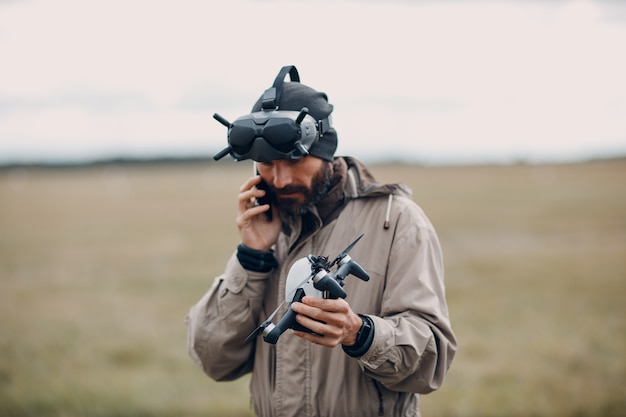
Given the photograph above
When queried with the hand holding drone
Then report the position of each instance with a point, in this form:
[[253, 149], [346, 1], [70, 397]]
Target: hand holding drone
[[320, 281]]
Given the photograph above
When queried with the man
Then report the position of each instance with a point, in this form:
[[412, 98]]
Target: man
[[369, 354]]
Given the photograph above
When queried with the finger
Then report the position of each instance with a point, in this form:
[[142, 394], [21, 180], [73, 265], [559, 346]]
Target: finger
[[248, 193], [247, 198], [317, 339], [335, 316], [313, 325], [331, 305], [307, 310], [250, 183], [248, 213]]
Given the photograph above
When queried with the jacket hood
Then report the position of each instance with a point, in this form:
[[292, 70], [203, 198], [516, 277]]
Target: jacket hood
[[363, 184]]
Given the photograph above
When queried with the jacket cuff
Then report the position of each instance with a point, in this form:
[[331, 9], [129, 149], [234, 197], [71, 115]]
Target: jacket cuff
[[236, 278], [381, 342], [256, 260]]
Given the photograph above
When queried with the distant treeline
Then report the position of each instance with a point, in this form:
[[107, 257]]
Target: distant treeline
[[117, 161], [204, 160]]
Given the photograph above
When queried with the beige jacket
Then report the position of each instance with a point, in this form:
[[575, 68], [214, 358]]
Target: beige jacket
[[413, 344]]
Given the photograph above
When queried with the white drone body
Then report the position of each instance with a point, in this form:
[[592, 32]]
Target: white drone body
[[300, 270]]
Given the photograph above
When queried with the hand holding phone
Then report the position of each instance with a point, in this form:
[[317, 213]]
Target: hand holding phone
[[257, 232]]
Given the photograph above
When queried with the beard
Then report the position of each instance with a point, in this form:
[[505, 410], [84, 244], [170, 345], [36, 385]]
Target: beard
[[320, 185]]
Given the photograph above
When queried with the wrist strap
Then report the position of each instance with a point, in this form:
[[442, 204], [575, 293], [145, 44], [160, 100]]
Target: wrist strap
[[256, 260]]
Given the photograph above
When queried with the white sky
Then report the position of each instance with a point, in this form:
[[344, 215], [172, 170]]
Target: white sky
[[435, 81]]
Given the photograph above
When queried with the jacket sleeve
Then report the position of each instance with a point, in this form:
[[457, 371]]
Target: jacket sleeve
[[413, 343], [219, 323]]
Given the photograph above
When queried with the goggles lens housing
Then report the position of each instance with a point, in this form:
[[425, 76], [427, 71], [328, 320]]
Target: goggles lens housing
[[265, 136]]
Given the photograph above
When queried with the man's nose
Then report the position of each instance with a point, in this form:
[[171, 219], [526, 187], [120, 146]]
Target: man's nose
[[282, 176]]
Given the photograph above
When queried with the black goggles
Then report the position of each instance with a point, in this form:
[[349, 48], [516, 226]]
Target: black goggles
[[265, 136]]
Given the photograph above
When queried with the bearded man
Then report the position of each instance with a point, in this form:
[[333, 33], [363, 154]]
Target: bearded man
[[374, 351]]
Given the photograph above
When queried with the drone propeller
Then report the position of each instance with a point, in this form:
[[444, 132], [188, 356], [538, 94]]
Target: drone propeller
[[348, 266], [345, 251], [263, 325]]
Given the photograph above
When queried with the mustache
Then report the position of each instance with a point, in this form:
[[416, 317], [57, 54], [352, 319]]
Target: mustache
[[290, 189]]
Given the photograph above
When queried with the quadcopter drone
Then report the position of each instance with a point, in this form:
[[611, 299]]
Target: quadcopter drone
[[319, 281]]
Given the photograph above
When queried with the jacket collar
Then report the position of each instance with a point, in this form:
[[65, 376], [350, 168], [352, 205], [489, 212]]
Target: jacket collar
[[351, 180]]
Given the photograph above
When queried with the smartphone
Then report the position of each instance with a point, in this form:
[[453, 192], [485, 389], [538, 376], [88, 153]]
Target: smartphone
[[266, 199]]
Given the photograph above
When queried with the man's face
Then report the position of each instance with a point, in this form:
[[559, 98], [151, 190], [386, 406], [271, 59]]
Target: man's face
[[296, 185]]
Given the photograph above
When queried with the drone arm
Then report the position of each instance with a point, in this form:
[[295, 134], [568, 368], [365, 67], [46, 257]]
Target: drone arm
[[358, 271], [343, 271], [350, 267], [273, 332], [325, 281]]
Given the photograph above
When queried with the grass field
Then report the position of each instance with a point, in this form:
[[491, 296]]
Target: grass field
[[99, 265]]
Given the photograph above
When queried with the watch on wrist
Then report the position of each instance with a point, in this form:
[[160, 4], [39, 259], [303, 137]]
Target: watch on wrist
[[364, 338]]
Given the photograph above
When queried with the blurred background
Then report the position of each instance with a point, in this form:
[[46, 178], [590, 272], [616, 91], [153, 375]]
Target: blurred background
[[505, 118], [451, 81]]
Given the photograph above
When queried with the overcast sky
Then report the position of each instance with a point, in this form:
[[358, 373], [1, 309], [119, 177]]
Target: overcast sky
[[433, 81]]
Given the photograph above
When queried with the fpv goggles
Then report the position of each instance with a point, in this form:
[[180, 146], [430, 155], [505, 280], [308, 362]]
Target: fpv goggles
[[271, 133]]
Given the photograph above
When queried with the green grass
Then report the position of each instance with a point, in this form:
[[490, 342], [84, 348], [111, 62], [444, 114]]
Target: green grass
[[98, 267]]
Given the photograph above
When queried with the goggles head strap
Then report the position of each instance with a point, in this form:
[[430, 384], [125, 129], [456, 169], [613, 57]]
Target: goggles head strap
[[271, 96]]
